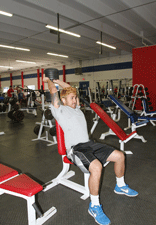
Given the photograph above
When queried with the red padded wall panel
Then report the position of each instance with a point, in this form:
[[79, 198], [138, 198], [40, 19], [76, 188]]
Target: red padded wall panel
[[144, 70]]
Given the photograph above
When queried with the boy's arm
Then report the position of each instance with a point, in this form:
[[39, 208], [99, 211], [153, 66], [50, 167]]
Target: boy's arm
[[61, 83], [55, 101]]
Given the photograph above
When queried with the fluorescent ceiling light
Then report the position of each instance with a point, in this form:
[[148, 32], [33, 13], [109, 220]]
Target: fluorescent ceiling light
[[6, 14], [62, 31], [65, 56], [7, 67], [109, 46], [21, 61], [16, 48]]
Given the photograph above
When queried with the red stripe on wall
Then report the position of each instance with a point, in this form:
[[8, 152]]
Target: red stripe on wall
[[10, 79], [64, 73], [38, 78], [22, 80]]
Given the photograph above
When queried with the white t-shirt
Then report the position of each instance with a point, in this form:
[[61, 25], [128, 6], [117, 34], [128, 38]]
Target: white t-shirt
[[73, 123]]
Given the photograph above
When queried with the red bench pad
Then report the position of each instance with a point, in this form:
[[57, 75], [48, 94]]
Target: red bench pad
[[109, 122], [22, 184], [6, 172]]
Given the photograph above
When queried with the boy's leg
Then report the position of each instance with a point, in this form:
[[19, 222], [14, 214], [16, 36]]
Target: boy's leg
[[95, 209], [119, 168]]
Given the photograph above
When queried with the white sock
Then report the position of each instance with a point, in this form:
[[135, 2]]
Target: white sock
[[94, 200], [120, 181]]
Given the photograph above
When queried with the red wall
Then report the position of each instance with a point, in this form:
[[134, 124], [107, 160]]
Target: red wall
[[144, 70]]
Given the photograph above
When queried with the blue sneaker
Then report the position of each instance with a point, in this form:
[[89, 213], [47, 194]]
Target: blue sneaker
[[125, 190], [98, 214]]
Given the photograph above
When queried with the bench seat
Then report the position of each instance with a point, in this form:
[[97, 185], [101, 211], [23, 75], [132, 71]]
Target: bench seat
[[6, 172], [22, 184]]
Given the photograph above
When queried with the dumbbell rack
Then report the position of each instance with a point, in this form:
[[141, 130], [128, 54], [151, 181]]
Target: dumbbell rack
[[45, 123], [136, 94], [48, 124]]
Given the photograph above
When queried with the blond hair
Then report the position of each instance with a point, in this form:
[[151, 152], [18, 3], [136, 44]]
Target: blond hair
[[66, 91]]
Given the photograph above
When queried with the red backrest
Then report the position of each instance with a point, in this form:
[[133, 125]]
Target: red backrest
[[109, 122], [61, 143], [60, 140]]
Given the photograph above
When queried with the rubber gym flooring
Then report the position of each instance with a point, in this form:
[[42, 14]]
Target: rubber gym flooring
[[43, 163]]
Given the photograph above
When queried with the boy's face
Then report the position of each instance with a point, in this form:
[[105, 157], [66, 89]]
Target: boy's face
[[70, 100]]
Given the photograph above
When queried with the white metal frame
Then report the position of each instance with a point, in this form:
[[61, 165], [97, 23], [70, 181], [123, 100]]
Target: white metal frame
[[48, 124], [63, 178]]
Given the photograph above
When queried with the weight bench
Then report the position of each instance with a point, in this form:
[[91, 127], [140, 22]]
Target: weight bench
[[146, 111], [114, 111], [20, 185], [133, 119], [115, 129], [66, 173]]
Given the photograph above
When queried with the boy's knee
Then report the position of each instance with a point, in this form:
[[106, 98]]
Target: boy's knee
[[121, 156], [95, 166]]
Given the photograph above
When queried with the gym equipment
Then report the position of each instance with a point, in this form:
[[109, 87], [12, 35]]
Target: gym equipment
[[21, 185], [114, 111], [135, 119], [52, 73], [66, 173], [15, 107], [52, 131], [3, 105], [37, 129], [146, 111], [16, 116], [48, 114], [138, 93], [31, 107], [40, 128]]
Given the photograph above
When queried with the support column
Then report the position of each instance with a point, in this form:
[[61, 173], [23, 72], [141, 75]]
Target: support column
[[22, 80], [0, 82], [38, 78], [10, 79], [64, 73], [42, 72]]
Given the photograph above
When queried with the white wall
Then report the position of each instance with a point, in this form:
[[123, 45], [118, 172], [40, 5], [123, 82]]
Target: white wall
[[92, 77]]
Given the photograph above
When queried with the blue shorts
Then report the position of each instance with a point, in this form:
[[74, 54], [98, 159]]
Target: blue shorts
[[85, 153]]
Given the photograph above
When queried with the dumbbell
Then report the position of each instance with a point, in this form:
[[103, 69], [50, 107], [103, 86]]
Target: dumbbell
[[52, 131], [52, 73], [37, 129], [148, 98], [150, 108], [140, 93]]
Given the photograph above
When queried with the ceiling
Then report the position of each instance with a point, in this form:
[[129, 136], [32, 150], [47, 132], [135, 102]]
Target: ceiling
[[124, 24]]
